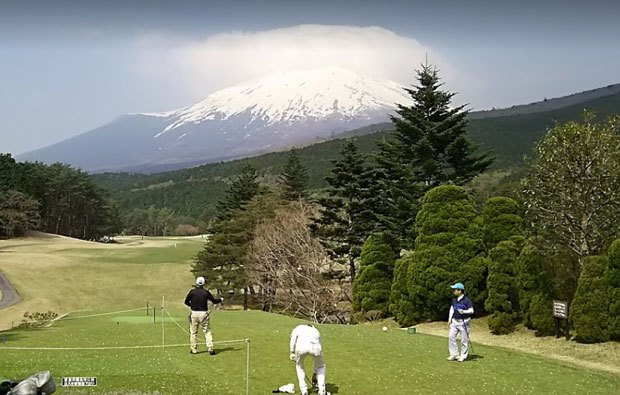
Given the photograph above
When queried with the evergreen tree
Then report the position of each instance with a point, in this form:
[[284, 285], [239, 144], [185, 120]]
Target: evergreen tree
[[535, 290], [223, 257], [501, 220], [294, 178], [428, 148], [242, 189], [449, 248], [503, 299], [401, 304], [589, 311], [346, 215], [614, 290], [18, 213], [372, 286]]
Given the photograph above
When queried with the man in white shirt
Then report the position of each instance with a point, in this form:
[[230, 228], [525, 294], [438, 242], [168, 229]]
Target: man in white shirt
[[459, 321], [306, 340]]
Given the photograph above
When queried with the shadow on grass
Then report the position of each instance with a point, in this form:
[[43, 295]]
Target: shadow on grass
[[475, 357], [7, 337], [220, 350], [332, 388]]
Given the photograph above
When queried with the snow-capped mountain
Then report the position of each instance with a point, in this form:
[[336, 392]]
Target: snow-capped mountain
[[272, 113]]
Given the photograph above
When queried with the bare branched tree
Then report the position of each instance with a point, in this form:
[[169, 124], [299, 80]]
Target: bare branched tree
[[292, 269]]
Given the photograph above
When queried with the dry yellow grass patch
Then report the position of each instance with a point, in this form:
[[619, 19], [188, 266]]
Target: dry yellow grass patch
[[63, 274]]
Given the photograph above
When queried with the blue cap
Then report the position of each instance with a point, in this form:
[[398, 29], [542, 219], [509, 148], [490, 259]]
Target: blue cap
[[458, 286]]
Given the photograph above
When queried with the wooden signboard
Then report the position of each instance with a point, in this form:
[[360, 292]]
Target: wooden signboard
[[560, 309], [560, 316]]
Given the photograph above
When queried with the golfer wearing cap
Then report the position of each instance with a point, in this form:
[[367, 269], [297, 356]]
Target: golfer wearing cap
[[306, 340], [458, 321], [197, 299]]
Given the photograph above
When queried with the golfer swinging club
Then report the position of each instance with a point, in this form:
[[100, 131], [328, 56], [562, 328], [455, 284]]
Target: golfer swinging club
[[459, 321], [306, 340], [197, 299]]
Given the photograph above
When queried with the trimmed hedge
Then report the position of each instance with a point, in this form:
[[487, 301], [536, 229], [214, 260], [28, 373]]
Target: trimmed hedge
[[373, 284], [501, 220], [535, 297], [449, 248], [503, 300], [590, 308]]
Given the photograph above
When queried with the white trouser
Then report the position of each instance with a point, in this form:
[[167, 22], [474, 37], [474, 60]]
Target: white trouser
[[315, 351], [456, 327]]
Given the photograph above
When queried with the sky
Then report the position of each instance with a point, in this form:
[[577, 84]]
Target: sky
[[67, 67]]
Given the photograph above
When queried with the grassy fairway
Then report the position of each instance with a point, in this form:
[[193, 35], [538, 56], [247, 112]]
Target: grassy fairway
[[64, 275], [67, 275], [360, 360]]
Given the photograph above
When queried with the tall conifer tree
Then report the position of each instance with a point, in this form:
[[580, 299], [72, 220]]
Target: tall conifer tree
[[428, 148], [294, 177], [347, 216]]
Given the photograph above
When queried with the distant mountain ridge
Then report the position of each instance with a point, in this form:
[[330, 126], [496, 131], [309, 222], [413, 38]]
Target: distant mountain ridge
[[269, 114], [548, 104]]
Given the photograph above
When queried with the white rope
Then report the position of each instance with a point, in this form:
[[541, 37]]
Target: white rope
[[99, 315], [177, 324], [239, 341]]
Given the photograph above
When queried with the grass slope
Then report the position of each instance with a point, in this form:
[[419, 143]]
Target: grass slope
[[360, 360], [63, 274]]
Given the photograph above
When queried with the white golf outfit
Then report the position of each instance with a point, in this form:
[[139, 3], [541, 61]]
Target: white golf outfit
[[306, 340]]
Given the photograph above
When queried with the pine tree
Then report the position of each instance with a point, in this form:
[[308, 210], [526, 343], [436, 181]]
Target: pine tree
[[294, 178], [346, 216], [589, 311], [428, 148], [242, 189], [223, 257]]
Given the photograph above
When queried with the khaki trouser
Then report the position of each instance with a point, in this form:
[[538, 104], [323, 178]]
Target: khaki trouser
[[200, 318]]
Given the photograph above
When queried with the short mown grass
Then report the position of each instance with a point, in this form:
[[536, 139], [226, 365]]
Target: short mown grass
[[81, 278], [360, 359]]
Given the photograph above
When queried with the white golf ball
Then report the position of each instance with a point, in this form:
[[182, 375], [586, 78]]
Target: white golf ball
[[385, 329]]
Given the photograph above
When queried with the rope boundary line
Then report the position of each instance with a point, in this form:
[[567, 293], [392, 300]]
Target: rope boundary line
[[98, 315], [238, 341]]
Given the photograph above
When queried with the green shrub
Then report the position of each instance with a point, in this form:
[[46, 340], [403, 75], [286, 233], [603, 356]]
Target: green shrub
[[535, 292], [373, 284], [401, 306], [502, 301], [449, 248], [590, 308], [376, 249], [614, 290], [501, 219]]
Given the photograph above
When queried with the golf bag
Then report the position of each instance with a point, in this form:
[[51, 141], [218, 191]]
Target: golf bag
[[40, 383]]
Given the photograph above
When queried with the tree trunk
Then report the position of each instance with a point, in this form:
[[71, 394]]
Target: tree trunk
[[245, 298]]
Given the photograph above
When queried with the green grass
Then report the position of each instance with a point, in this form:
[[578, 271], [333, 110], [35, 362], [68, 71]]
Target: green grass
[[360, 359]]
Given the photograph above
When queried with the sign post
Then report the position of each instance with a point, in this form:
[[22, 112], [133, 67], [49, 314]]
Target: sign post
[[560, 316]]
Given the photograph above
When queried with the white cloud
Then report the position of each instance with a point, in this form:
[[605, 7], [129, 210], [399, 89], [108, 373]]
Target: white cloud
[[226, 59]]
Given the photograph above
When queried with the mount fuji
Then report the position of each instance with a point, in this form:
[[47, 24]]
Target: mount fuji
[[269, 114]]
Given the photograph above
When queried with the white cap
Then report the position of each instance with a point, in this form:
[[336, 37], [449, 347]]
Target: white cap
[[200, 281]]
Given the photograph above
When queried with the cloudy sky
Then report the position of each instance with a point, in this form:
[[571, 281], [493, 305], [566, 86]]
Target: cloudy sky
[[69, 66]]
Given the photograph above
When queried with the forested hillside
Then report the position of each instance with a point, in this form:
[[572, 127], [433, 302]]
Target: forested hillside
[[194, 192]]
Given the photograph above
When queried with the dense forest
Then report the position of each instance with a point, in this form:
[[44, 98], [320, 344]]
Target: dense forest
[[56, 199]]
